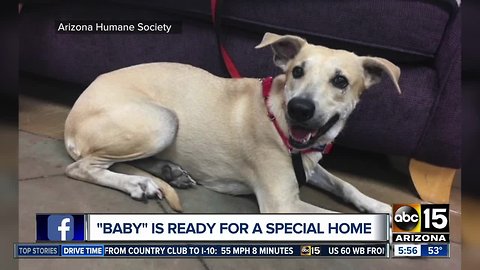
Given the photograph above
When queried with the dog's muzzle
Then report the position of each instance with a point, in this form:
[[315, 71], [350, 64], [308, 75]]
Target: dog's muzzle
[[303, 137]]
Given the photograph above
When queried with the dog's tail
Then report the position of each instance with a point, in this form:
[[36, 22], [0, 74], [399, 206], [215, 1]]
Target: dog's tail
[[168, 192]]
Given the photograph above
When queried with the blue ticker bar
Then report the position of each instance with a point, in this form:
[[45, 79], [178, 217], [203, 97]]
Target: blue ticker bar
[[204, 250]]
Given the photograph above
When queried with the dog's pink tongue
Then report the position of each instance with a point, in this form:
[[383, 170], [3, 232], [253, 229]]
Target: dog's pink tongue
[[300, 134]]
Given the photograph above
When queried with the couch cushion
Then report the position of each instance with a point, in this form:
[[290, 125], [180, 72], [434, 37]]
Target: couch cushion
[[409, 27]]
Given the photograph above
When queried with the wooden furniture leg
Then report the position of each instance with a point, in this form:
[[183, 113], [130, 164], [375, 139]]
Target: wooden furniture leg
[[433, 183]]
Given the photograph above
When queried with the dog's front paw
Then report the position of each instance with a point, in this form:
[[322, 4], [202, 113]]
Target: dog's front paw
[[142, 188]]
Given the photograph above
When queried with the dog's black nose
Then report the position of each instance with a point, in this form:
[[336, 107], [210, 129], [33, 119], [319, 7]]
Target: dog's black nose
[[301, 109]]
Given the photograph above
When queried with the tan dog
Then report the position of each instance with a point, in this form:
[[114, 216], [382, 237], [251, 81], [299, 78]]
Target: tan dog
[[217, 129]]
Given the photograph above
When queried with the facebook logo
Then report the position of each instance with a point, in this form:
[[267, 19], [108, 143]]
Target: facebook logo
[[60, 228]]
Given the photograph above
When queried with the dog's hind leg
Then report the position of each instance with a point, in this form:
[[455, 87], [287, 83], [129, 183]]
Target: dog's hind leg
[[117, 135], [324, 180]]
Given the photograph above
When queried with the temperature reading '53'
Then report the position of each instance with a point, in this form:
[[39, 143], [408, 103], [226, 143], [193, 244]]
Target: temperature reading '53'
[[434, 250]]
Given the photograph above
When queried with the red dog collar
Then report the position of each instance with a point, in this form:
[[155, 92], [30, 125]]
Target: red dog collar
[[266, 89]]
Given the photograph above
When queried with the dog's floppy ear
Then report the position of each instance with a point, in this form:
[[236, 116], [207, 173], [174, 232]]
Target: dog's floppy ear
[[284, 47], [374, 67]]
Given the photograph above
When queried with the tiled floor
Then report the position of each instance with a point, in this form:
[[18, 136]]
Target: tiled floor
[[44, 189]]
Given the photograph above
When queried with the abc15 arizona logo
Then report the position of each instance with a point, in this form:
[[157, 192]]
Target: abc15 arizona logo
[[416, 218]]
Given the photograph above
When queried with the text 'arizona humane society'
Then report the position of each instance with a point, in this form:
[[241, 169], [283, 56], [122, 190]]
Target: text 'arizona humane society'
[[151, 27]]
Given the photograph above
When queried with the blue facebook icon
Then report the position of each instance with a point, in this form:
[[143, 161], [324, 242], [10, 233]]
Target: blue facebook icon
[[60, 228]]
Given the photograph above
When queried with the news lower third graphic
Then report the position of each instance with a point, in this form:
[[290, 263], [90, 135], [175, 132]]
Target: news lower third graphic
[[418, 231]]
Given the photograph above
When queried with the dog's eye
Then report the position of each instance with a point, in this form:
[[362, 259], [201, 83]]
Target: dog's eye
[[339, 81], [297, 72]]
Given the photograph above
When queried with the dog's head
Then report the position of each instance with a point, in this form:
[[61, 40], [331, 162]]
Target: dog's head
[[322, 86]]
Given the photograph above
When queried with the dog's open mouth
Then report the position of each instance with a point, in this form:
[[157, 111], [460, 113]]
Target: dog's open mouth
[[301, 137]]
